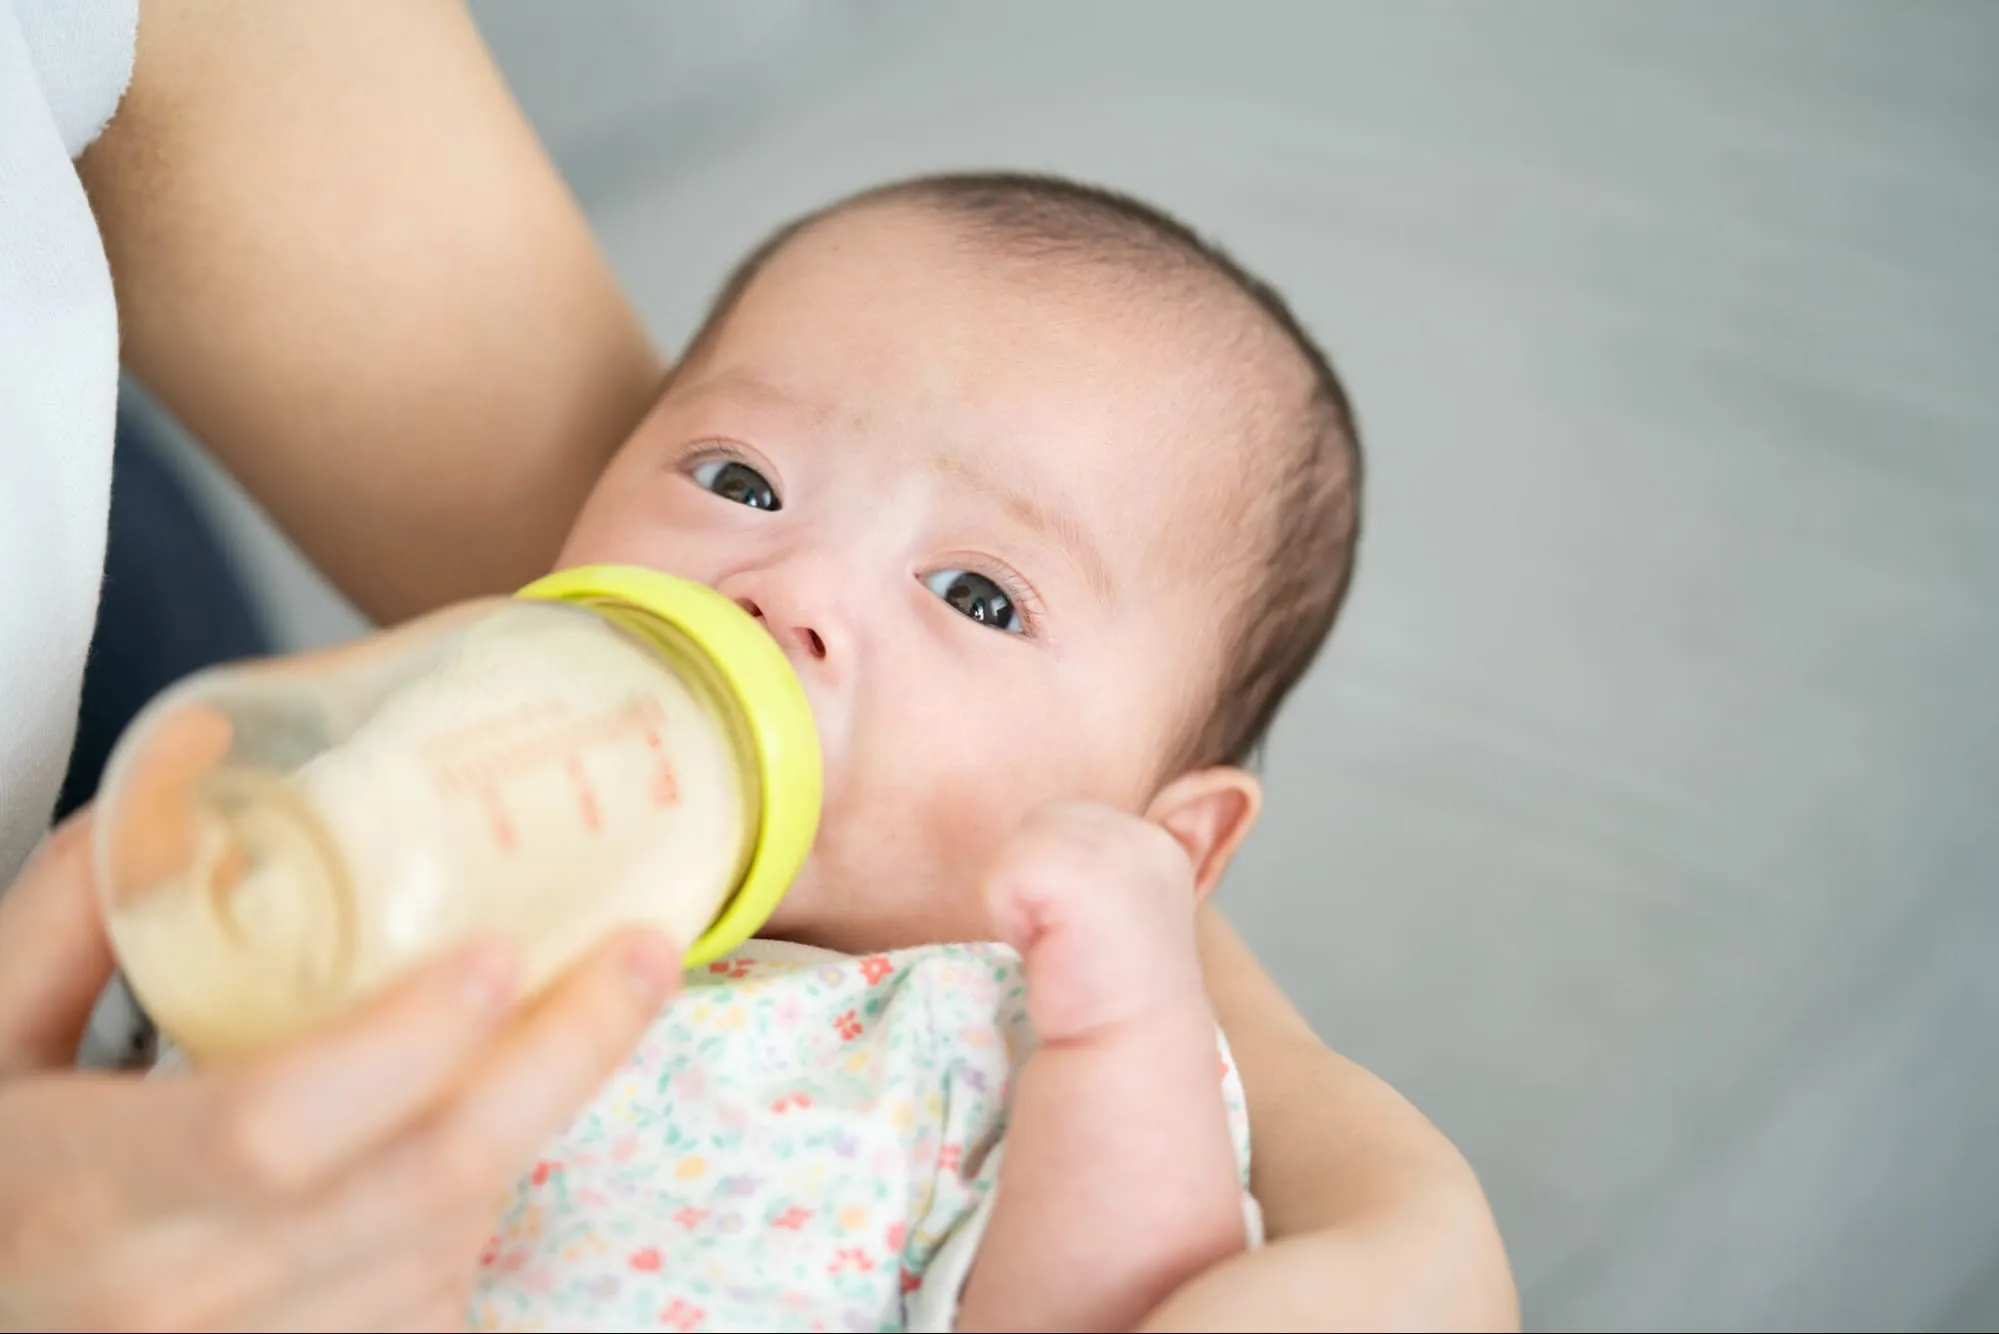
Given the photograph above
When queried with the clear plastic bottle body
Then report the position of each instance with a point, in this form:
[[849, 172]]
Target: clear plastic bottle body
[[277, 841]]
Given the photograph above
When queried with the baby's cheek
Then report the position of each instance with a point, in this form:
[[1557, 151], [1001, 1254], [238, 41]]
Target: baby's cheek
[[923, 789], [903, 845], [935, 831]]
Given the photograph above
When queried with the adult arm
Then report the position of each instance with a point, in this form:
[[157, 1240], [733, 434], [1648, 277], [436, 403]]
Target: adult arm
[[1376, 1221], [344, 262]]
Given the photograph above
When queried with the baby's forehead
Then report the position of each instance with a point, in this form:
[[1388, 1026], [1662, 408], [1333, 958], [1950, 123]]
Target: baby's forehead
[[1152, 388]]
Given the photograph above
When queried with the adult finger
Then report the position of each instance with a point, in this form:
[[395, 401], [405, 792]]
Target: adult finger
[[427, 1184], [290, 1120], [424, 1283], [54, 959], [555, 1057], [396, 1204], [117, 1150], [270, 1129]]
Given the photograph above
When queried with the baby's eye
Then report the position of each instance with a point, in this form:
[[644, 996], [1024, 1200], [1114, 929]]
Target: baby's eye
[[735, 480], [977, 597]]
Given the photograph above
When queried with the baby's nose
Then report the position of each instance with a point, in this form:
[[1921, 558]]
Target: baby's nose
[[803, 636]]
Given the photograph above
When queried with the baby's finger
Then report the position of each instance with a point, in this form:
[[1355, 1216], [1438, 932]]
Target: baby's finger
[[1048, 883]]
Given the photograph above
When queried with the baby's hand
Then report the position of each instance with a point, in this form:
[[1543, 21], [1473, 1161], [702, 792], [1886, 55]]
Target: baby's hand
[[1100, 905]]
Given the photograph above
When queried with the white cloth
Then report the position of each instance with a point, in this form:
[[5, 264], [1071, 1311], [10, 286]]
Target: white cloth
[[64, 64]]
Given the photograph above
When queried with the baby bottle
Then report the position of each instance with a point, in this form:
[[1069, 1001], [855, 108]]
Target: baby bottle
[[279, 839]]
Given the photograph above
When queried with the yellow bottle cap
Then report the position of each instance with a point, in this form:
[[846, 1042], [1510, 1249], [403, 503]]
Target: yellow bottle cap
[[782, 735]]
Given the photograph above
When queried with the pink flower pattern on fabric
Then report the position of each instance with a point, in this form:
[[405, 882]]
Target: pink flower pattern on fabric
[[788, 1148]]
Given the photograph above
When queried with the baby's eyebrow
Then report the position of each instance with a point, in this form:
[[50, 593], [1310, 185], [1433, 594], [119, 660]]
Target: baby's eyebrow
[[1051, 522], [744, 387]]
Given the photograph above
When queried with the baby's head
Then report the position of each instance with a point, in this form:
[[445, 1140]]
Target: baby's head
[[1045, 498]]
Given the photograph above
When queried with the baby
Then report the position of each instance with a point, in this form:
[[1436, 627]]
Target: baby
[[1050, 504]]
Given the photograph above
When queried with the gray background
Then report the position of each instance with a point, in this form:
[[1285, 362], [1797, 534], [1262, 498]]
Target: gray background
[[1639, 825]]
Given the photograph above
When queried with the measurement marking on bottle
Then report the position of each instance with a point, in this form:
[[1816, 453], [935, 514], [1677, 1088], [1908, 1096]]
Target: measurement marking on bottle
[[665, 787], [496, 816], [586, 796], [482, 759]]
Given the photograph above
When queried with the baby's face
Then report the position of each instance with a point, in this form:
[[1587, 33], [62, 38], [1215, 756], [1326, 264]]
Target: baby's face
[[978, 507]]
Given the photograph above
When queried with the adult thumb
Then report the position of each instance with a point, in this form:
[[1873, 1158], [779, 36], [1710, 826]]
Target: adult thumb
[[54, 957]]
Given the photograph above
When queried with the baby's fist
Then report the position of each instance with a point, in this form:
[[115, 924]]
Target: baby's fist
[[1100, 905]]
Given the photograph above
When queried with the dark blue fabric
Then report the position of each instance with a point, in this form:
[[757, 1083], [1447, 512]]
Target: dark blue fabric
[[173, 603]]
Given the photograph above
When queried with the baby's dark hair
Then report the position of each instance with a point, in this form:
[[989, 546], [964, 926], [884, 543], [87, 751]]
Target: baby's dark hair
[[1300, 573]]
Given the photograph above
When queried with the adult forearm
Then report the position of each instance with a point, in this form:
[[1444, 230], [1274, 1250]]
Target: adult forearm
[[1338, 1280], [343, 260], [1378, 1221]]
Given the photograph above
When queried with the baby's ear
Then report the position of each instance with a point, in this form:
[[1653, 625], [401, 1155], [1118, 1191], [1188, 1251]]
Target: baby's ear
[[1209, 811]]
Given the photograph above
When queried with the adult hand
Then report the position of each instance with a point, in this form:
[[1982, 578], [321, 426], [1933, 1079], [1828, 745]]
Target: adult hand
[[346, 1182]]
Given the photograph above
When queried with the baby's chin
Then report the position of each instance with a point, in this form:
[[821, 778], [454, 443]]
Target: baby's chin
[[794, 919], [872, 909], [831, 912]]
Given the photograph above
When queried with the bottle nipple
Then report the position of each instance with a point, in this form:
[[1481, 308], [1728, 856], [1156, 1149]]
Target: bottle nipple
[[230, 909], [274, 881]]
